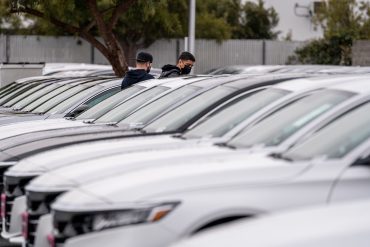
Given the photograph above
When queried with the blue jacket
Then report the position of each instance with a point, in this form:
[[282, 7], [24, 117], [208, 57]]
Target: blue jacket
[[135, 76]]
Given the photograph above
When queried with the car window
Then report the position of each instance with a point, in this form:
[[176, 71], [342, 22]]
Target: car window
[[235, 112], [277, 127], [35, 96], [16, 92], [68, 101], [128, 106], [24, 94], [46, 97], [66, 95], [102, 96], [337, 138], [182, 114], [9, 88], [106, 105], [148, 112]]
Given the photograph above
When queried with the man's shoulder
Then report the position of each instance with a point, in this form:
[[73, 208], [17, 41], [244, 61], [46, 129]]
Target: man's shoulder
[[170, 71]]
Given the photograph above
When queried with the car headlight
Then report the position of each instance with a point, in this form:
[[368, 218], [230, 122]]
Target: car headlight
[[68, 224], [105, 220]]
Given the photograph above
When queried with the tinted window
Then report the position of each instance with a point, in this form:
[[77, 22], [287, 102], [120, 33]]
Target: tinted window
[[46, 97], [148, 112], [25, 94], [128, 106], [280, 125], [68, 102], [106, 105], [337, 138], [61, 97], [234, 113], [31, 98], [182, 114]]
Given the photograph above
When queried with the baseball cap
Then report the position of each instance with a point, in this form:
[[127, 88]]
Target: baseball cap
[[144, 57]]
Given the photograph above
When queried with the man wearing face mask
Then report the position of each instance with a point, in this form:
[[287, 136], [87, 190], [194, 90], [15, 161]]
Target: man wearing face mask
[[183, 67], [141, 72]]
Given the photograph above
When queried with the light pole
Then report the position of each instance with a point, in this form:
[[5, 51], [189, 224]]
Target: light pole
[[191, 39]]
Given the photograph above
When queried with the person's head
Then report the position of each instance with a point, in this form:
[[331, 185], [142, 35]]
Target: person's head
[[185, 62], [144, 61]]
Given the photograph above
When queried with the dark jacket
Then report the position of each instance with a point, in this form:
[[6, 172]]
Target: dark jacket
[[135, 76], [170, 71]]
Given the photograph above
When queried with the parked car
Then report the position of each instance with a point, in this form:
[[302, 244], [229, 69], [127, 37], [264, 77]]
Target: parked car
[[336, 225], [206, 94], [72, 101], [106, 166], [189, 197]]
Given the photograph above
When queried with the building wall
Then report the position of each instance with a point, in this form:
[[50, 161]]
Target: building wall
[[209, 53], [294, 18]]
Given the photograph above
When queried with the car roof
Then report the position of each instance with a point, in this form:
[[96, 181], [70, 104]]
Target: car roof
[[319, 81]]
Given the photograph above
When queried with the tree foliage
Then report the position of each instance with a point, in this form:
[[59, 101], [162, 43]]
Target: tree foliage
[[123, 26], [343, 21]]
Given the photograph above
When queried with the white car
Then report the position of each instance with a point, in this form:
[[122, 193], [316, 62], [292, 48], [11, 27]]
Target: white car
[[90, 170], [337, 225], [169, 202]]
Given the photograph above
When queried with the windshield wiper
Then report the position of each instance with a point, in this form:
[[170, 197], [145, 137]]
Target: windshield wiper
[[280, 156], [112, 124], [226, 145], [179, 136]]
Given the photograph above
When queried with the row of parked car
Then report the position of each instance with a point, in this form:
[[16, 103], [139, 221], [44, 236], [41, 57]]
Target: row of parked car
[[212, 160]]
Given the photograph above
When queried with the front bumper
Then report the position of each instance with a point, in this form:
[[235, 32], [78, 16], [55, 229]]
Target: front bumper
[[14, 229], [141, 235]]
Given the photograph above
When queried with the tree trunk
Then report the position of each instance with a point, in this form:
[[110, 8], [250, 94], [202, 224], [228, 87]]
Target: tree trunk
[[130, 50]]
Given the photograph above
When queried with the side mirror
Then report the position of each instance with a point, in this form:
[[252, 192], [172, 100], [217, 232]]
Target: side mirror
[[78, 110]]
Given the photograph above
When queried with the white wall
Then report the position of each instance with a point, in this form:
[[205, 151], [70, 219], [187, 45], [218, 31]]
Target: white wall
[[300, 27], [295, 20]]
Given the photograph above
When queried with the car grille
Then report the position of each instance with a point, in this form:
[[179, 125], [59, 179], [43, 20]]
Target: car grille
[[3, 168], [38, 204], [13, 188]]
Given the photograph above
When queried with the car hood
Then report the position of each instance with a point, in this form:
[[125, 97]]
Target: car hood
[[227, 171], [87, 171], [72, 154], [37, 125]]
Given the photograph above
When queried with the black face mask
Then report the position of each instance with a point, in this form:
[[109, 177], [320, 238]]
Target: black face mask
[[148, 69], [186, 70]]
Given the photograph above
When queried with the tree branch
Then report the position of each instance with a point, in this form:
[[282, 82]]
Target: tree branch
[[121, 8], [93, 8], [67, 27]]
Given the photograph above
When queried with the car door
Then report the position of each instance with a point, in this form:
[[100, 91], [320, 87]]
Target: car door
[[354, 181]]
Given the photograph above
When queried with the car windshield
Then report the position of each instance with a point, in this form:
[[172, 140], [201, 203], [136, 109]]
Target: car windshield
[[122, 110], [61, 97], [274, 129], [336, 139], [173, 120], [25, 94], [233, 113], [10, 88], [70, 101], [150, 111], [46, 97], [106, 105], [31, 98], [16, 92]]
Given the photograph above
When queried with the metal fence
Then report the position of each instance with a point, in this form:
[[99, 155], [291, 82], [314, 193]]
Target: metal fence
[[209, 54]]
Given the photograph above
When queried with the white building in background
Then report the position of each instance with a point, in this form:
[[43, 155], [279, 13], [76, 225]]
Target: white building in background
[[295, 18]]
